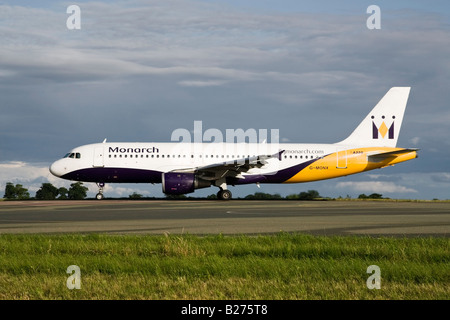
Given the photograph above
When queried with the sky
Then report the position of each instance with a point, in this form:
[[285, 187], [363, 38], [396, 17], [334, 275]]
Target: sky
[[138, 70]]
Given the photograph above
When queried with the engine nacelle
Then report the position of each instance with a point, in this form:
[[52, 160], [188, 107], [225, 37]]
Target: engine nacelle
[[182, 183]]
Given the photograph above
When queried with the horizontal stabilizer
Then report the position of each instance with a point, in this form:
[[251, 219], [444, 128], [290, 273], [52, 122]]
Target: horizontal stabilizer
[[380, 156]]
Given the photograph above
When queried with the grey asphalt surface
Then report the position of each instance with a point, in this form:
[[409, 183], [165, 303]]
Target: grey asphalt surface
[[402, 219]]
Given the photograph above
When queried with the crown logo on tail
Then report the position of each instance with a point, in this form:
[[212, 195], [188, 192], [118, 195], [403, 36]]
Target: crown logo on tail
[[383, 129]]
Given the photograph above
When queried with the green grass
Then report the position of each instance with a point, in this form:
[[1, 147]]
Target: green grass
[[283, 266]]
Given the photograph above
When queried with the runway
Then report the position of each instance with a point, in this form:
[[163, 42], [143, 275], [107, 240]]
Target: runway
[[371, 218]]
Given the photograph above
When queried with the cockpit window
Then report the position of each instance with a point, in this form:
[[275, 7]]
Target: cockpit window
[[73, 155]]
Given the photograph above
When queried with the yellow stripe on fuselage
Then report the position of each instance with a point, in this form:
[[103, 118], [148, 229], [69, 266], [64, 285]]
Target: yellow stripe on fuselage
[[348, 162]]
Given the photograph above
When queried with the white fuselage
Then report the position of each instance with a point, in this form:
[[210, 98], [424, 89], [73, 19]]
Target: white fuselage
[[184, 167]]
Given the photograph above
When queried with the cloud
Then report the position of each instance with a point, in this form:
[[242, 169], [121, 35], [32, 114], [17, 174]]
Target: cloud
[[214, 42], [441, 177], [375, 187], [415, 140], [18, 170], [31, 176], [184, 37], [201, 83]]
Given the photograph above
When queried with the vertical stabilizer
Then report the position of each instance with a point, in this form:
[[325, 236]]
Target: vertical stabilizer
[[381, 127]]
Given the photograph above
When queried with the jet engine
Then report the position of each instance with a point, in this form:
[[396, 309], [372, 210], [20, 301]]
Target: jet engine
[[182, 183]]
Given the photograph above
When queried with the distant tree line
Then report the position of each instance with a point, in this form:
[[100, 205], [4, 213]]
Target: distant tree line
[[308, 195], [79, 192], [47, 192], [16, 192], [371, 196]]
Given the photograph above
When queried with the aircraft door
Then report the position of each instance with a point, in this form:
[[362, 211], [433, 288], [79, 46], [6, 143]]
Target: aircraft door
[[98, 157], [341, 159]]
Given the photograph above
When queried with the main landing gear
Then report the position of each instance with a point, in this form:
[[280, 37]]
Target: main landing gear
[[224, 195], [99, 195]]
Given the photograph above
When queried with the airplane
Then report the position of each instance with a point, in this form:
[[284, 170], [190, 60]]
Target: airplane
[[182, 168]]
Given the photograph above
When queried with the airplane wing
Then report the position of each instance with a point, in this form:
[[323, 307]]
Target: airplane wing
[[233, 168], [380, 156]]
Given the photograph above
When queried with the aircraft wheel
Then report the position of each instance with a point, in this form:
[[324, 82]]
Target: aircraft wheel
[[224, 195], [99, 196]]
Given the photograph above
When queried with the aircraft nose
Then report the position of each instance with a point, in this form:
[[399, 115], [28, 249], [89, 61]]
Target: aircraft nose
[[58, 168]]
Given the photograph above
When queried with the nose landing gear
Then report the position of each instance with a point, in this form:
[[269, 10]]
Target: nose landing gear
[[99, 195]]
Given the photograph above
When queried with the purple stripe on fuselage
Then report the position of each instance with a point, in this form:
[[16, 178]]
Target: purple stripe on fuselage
[[285, 174], [118, 175], [127, 175], [277, 177]]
